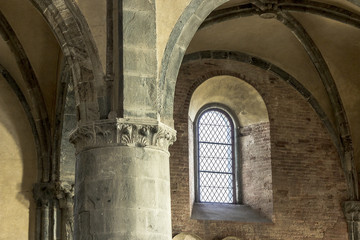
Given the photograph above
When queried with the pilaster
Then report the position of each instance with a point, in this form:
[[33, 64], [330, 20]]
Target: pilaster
[[352, 215], [54, 202]]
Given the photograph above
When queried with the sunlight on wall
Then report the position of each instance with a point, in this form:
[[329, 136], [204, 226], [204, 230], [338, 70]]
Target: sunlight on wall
[[18, 169]]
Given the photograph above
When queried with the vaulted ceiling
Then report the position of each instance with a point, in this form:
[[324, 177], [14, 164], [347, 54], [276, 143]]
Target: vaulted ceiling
[[317, 42], [31, 55]]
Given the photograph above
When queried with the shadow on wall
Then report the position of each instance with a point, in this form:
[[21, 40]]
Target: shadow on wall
[[18, 172]]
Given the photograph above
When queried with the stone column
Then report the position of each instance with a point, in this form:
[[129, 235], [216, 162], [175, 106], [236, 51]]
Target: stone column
[[122, 187], [65, 196], [352, 215], [44, 195], [54, 202]]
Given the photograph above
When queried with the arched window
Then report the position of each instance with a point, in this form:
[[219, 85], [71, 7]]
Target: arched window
[[215, 157]]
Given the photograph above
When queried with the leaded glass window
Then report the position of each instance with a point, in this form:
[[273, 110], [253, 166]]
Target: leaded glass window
[[215, 157]]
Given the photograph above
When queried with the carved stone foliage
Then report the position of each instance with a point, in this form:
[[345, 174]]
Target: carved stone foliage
[[352, 215], [65, 194], [44, 193], [123, 132], [186, 236], [352, 210], [190, 236]]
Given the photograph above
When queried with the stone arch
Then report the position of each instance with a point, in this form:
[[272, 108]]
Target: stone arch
[[79, 49], [246, 58], [21, 160], [194, 16], [37, 114], [246, 69], [321, 9], [249, 114], [356, 2], [184, 30]]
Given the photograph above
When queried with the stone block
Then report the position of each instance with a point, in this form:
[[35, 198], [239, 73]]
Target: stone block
[[158, 222], [120, 220], [146, 192], [186, 236], [140, 93], [139, 5], [119, 192], [140, 61], [139, 29], [97, 222], [189, 29]]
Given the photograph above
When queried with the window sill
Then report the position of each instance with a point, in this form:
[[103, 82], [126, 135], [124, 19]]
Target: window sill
[[227, 212]]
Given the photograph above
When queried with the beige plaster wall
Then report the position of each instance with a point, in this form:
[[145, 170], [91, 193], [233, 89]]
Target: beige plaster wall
[[236, 94], [18, 169], [95, 16], [8, 61], [39, 44], [339, 44], [268, 39], [167, 14]]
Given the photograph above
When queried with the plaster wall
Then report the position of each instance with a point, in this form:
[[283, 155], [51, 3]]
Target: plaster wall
[[18, 170], [167, 14], [8, 61], [339, 45], [234, 93], [268, 39], [39, 44]]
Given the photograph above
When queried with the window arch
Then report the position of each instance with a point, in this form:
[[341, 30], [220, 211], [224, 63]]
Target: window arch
[[247, 112], [215, 156]]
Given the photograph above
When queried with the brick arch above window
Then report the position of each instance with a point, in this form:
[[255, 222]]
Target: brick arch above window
[[292, 112], [248, 118]]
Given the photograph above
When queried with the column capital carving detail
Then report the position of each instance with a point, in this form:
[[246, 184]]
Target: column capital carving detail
[[351, 210], [123, 132], [44, 193]]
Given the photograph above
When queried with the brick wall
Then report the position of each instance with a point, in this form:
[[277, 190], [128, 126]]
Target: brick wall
[[308, 185], [255, 161]]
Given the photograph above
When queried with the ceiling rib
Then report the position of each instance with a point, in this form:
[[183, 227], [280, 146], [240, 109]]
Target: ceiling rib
[[329, 83], [255, 61], [77, 45], [321, 9], [270, 9], [15, 87], [37, 103]]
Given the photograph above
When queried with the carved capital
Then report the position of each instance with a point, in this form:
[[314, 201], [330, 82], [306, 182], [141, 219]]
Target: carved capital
[[123, 132], [65, 194], [44, 193], [351, 210]]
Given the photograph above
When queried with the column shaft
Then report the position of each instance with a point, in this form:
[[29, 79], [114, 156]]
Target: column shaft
[[122, 188]]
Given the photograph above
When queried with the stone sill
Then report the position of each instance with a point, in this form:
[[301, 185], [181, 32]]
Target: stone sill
[[227, 212]]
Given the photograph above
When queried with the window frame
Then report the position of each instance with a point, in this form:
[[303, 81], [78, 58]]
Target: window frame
[[236, 164]]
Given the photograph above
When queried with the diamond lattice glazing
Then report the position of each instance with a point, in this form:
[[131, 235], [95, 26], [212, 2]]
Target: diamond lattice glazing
[[215, 152]]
